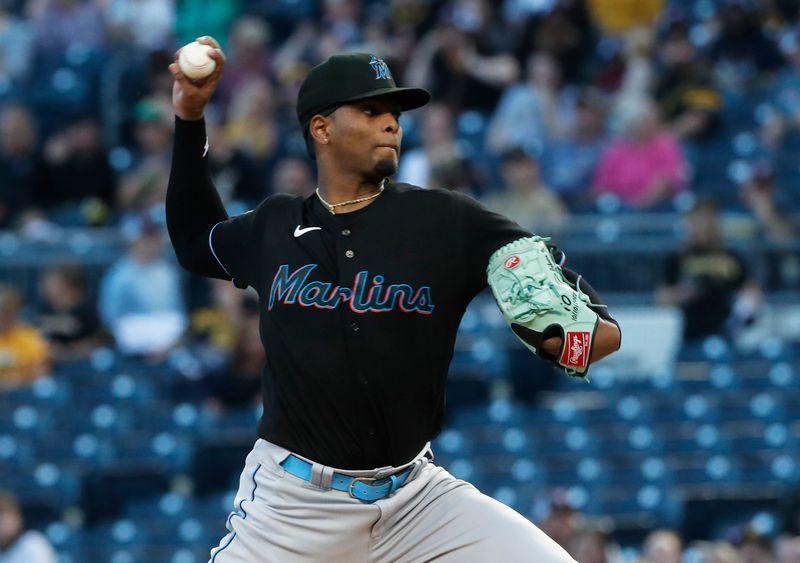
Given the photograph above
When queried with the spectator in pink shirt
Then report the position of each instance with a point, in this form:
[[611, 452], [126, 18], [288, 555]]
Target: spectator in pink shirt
[[644, 166]]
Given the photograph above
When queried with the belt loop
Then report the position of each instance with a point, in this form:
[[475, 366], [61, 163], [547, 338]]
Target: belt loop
[[326, 477], [317, 471]]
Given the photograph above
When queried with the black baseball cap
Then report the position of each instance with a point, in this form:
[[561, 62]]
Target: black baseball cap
[[348, 78]]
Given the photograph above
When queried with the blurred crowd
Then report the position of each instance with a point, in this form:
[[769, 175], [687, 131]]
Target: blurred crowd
[[543, 109], [588, 541]]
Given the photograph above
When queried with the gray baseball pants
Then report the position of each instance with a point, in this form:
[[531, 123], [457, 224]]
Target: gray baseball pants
[[434, 517]]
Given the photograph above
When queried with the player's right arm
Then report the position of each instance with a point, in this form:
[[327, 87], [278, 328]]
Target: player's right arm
[[193, 205]]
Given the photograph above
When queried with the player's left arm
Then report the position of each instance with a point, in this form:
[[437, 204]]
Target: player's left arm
[[544, 303]]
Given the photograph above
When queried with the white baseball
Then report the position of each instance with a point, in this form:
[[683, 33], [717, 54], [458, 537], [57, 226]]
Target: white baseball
[[195, 62]]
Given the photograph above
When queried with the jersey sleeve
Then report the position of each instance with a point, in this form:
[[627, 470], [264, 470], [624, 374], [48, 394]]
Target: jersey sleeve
[[484, 232], [233, 245]]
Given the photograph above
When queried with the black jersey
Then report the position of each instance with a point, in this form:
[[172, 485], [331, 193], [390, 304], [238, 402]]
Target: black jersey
[[359, 314], [359, 311]]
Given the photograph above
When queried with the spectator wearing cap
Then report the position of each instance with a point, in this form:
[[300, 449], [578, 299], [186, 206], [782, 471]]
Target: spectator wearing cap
[[24, 355], [66, 318], [523, 196], [708, 281], [140, 295], [18, 545], [688, 99], [144, 187], [644, 166]]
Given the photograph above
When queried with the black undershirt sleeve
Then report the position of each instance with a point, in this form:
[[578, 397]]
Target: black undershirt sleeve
[[193, 205]]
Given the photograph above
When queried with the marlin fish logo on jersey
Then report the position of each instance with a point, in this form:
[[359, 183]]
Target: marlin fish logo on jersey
[[368, 294], [381, 68]]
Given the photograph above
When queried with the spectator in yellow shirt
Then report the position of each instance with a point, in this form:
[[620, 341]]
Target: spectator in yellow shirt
[[24, 355]]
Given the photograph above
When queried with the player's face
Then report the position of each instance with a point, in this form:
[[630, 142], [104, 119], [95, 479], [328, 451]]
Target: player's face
[[367, 135]]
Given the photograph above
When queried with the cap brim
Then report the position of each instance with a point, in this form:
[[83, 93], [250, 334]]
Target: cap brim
[[408, 98]]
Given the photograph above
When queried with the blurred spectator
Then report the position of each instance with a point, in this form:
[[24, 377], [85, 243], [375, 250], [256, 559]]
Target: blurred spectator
[[564, 31], [77, 183], [235, 174], [247, 58], [147, 24], [292, 175], [24, 354], [568, 164], [709, 282], [787, 549], [239, 384], [783, 100], [742, 52], [17, 41], [19, 162], [66, 317], [438, 144], [213, 327], [195, 18], [562, 520], [532, 112], [140, 295], [718, 552], [16, 544], [763, 199], [251, 126], [644, 166], [688, 99], [639, 75], [524, 198], [662, 546], [619, 16], [754, 547], [454, 173], [58, 24], [467, 60], [144, 187], [588, 546]]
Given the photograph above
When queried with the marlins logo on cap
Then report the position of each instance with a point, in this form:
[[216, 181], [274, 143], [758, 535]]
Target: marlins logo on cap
[[380, 67]]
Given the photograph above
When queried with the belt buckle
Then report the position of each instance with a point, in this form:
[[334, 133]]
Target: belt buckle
[[365, 480]]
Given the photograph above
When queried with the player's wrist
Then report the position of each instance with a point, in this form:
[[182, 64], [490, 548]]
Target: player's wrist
[[184, 115]]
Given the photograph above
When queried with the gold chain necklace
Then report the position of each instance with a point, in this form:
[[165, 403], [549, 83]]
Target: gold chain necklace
[[332, 206]]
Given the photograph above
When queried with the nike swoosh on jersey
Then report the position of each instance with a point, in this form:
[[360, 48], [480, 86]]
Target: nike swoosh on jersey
[[205, 148], [298, 232]]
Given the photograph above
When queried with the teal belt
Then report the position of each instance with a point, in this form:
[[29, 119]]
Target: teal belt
[[365, 489]]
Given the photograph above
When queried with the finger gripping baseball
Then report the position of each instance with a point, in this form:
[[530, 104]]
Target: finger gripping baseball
[[537, 302]]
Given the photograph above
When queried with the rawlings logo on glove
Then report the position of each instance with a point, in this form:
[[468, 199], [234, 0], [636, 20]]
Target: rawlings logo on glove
[[538, 302]]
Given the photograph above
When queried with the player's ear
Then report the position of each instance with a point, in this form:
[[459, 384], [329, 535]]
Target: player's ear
[[319, 129]]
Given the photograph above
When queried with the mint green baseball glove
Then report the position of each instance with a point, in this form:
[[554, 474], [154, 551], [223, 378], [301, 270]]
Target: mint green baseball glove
[[538, 302]]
